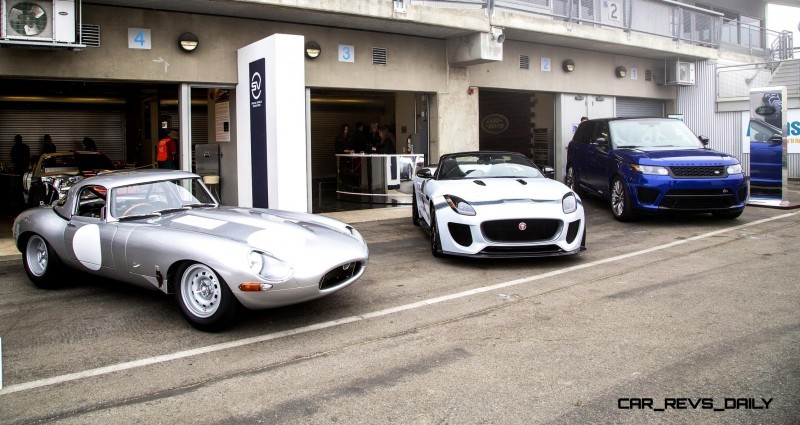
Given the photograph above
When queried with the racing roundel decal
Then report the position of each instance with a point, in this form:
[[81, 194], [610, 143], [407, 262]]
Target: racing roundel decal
[[86, 244], [522, 226]]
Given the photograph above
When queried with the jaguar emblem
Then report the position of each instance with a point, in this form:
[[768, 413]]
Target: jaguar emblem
[[522, 226]]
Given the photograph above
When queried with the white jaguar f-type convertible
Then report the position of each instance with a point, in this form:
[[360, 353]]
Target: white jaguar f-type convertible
[[496, 204]]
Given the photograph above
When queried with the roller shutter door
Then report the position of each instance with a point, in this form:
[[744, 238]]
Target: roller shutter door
[[68, 127], [325, 126], [637, 107]]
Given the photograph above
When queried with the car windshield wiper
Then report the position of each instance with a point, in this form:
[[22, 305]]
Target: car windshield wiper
[[169, 210], [138, 216], [199, 205]]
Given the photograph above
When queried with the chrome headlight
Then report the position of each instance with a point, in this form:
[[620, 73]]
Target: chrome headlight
[[268, 267], [651, 169], [735, 169], [459, 205], [569, 203]]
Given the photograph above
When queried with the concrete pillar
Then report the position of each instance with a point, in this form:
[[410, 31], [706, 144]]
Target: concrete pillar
[[456, 121]]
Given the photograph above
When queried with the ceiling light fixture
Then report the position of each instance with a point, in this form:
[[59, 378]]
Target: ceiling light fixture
[[188, 42]]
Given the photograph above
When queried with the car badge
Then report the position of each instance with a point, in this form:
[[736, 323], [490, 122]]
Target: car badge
[[522, 226], [724, 190], [716, 172]]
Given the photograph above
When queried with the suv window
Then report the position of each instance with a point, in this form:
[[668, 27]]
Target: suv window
[[584, 132]]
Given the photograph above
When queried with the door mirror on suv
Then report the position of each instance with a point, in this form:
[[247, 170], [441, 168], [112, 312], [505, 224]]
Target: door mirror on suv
[[601, 142], [703, 140]]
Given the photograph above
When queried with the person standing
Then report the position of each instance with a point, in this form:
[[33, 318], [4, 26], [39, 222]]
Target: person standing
[[49, 146], [20, 155], [89, 144], [344, 141], [167, 150]]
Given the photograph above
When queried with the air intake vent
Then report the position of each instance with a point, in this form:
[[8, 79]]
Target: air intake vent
[[379, 56], [524, 62], [90, 35]]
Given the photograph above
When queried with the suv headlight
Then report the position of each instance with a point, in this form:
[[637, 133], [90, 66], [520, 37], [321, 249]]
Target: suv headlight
[[268, 267], [651, 169], [459, 205], [735, 169], [569, 203]]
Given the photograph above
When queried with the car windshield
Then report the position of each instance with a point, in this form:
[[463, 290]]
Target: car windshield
[[488, 165], [159, 197], [652, 133]]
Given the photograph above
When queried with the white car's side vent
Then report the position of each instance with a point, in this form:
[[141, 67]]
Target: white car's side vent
[[524, 62], [90, 35], [379, 56]]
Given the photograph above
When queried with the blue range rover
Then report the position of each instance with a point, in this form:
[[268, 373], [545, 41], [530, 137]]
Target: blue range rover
[[653, 165]]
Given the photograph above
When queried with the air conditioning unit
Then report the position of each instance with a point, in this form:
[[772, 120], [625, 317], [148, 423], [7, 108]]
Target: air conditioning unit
[[679, 73], [39, 21]]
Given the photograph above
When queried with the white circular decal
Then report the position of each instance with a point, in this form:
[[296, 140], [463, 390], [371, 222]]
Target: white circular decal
[[86, 244]]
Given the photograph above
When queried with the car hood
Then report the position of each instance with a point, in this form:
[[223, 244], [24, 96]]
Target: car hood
[[676, 157], [292, 235], [493, 189]]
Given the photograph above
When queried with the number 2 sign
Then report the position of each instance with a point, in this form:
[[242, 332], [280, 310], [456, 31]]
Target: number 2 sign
[[139, 38]]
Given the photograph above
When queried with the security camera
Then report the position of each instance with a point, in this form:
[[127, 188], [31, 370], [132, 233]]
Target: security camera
[[497, 35]]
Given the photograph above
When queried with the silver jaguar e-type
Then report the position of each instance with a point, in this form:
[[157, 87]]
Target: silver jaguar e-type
[[163, 229]]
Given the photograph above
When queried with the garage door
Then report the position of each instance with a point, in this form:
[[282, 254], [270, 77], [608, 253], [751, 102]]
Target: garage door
[[637, 107], [68, 127]]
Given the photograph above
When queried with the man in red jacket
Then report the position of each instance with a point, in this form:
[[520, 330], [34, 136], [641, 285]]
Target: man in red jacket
[[167, 150]]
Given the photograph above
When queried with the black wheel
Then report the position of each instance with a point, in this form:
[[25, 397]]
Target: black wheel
[[42, 264], [205, 299], [414, 211], [571, 180], [728, 215], [38, 195], [621, 201], [436, 243]]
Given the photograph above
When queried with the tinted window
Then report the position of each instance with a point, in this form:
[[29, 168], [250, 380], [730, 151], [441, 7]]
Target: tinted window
[[652, 133]]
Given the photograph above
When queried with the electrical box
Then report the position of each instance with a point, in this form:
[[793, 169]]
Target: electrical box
[[39, 22]]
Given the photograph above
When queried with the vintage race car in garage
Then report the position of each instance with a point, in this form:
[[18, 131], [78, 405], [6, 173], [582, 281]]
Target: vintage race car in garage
[[54, 173], [163, 230], [496, 204]]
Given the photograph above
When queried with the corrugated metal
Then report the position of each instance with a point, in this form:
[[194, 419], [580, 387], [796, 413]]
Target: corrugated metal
[[639, 107], [325, 125], [67, 127]]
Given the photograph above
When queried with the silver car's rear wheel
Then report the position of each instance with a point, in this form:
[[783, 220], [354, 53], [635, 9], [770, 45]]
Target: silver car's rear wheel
[[41, 262], [205, 300]]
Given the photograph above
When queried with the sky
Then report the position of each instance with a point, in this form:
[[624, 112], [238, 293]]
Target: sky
[[784, 18]]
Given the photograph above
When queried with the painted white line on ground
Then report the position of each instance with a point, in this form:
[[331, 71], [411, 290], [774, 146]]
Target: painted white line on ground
[[385, 312]]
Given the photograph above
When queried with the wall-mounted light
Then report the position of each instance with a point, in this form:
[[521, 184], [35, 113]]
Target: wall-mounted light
[[568, 65], [578, 97], [312, 49], [621, 71], [188, 42]]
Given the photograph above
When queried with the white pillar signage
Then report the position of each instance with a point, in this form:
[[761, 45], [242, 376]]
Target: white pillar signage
[[271, 124]]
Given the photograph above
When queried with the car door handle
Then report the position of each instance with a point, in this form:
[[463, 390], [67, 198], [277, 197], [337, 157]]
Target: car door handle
[[71, 225]]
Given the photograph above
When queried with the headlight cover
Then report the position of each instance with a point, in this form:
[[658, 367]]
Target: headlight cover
[[735, 169], [651, 169], [459, 205], [268, 267], [569, 203]]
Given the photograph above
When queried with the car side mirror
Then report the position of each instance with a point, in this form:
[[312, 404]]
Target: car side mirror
[[703, 140], [549, 172], [601, 141], [424, 173]]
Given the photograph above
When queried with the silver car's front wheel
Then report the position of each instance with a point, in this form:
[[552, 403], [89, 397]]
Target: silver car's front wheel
[[205, 300], [41, 262]]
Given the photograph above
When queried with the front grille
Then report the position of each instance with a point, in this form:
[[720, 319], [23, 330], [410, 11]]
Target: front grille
[[339, 275], [572, 230], [533, 251], [715, 171], [460, 233], [692, 200], [520, 230], [647, 195]]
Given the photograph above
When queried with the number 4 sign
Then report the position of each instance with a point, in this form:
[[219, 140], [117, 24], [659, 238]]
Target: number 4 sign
[[139, 38]]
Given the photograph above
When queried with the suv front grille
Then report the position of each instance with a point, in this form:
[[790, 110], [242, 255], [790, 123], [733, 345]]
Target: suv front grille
[[520, 230], [715, 171], [698, 199]]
